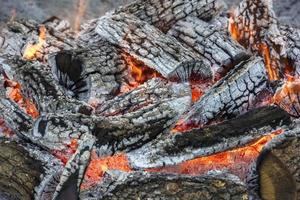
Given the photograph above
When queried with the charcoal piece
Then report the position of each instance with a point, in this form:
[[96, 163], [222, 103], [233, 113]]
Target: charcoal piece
[[234, 133], [142, 185], [93, 74], [145, 43], [18, 34], [154, 92], [216, 47], [240, 90], [19, 172], [164, 14], [276, 172], [39, 85]]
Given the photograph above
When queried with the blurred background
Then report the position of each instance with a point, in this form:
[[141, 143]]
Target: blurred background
[[40, 10]]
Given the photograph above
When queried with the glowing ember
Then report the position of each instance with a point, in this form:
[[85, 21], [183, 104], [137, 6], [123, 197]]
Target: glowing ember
[[5, 130], [271, 69], [81, 8], [232, 27], [31, 50], [98, 166], [288, 96], [237, 161], [65, 155], [15, 94], [196, 93]]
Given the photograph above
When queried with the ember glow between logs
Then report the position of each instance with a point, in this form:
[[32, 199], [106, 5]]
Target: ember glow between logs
[[31, 50]]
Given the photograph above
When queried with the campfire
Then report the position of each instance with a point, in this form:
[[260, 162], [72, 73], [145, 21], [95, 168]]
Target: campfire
[[158, 99]]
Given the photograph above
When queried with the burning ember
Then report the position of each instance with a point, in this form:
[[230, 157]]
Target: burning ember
[[32, 50]]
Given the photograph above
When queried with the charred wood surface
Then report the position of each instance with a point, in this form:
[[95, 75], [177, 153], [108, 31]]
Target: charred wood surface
[[164, 14], [145, 43], [239, 91], [141, 185], [276, 173], [20, 173], [93, 74], [216, 46], [211, 139]]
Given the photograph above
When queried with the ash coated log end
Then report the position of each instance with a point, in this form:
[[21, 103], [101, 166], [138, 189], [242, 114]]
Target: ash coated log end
[[164, 14], [142, 185], [19, 172], [276, 173]]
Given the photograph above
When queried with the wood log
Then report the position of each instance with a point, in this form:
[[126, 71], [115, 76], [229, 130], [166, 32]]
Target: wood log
[[176, 148], [152, 93], [164, 14], [240, 90], [145, 43], [92, 74], [18, 34], [216, 47], [39, 85], [275, 175], [141, 185]]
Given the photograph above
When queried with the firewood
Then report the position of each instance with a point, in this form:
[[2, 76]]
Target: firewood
[[175, 148], [216, 47], [164, 14], [240, 90], [141, 185], [145, 43], [275, 175], [93, 74]]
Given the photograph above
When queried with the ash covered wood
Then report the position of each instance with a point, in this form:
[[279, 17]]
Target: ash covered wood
[[141, 185], [240, 90], [217, 48], [145, 43], [276, 173], [164, 14], [209, 140]]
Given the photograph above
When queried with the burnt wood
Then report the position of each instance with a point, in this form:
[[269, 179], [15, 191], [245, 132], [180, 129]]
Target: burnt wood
[[239, 91], [217, 48], [145, 43], [141, 185], [211, 139], [164, 14], [275, 174]]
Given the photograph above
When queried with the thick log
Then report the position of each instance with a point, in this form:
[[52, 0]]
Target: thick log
[[39, 85], [93, 74], [276, 173], [152, 93], [176, 148], [145, 43], [216, 47], [240, 90], [141, 185], [18, 34], [164, 14]]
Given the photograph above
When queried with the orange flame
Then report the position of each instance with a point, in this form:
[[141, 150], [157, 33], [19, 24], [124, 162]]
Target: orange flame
[[98, 166], [31, 50], [15, 94], [272, 71], [232, 27], [235, 160]]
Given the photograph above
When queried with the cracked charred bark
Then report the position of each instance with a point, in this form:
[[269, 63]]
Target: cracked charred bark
[[240, 90], [216, 47], [276, 173], [164, 14], [145, 43], [179, 147], [141, 185]]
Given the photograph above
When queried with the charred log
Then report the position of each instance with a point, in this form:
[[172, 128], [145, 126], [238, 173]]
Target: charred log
[[93, 74], [216, 47], [240, 90], [19, 172], [209, 140], [145, 43], [276, 173], [164, 14], [141, 185]]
